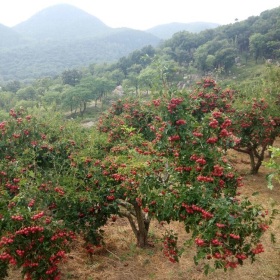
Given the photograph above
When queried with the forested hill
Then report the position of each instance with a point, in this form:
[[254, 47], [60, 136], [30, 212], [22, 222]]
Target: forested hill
[[62, 22], [221, 48], [61, 37]]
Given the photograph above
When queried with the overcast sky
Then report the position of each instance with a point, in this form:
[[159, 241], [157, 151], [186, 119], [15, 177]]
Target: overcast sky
[[143, 14]]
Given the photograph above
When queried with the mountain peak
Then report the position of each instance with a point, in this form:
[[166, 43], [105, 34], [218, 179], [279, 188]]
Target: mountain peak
[[62, 21], [59, 11]]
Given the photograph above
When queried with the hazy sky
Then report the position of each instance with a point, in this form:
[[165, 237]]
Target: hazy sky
[[143, 14]]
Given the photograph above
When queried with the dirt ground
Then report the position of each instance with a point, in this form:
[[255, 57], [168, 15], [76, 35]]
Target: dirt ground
[[120, 259]]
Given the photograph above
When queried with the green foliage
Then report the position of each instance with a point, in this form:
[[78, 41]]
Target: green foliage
[[181, 47], [211, 50], [89, 89], [7, 100], [257, 45], [215, 54], [26, 93], [71, 77], [274, 165], [12, 86]]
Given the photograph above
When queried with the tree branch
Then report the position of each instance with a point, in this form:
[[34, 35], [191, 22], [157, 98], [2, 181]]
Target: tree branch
[[131, 221], [128, 207]]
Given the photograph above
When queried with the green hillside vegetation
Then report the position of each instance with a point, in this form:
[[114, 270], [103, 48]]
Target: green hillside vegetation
[[51, 58], [10, 38]]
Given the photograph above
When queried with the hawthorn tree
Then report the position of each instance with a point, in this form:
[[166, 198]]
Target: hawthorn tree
[[43, 194], [255, 122], [164, 160], [257, 127], [161, 159]]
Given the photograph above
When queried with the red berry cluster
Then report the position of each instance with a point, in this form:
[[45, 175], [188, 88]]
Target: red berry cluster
[[29, 230], [38, 216], [174, 102], [170, 249], [259, 249], [194, 208]]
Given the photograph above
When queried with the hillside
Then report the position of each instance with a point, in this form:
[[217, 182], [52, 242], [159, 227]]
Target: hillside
[[10, 38], [51, 58]]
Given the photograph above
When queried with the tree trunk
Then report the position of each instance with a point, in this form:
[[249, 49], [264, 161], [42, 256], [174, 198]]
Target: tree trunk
[[139, 222], [254, 169], [143, 227], [256, 159], [82, 111], [85, 106]]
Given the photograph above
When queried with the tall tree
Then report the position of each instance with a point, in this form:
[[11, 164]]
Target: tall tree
[[257, 45], [71, 77]]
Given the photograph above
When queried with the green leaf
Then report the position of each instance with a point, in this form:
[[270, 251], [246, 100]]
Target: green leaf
[[206, 269], [31, 174], [269, 181], [270, 186]]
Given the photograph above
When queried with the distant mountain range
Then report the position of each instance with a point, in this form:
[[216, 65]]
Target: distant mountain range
[[64, 36]]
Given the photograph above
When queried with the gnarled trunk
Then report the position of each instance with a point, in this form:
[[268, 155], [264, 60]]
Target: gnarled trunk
[[256, 157]]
